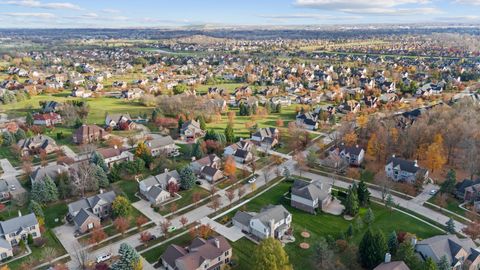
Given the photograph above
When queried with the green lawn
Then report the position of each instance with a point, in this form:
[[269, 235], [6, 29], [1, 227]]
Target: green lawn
[[452, 204], [52, 241], [129, 187], [153, 255], [322, 225], [186, 199], [230, 87], [54, 211], [6, 152]]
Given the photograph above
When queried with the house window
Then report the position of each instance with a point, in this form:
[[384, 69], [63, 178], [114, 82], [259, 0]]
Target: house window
[[90, 226], [32, 228], [34, 234], [226, 253], [4, 255]]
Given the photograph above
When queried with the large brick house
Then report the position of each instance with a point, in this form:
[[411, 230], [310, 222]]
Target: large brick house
[[88, 134]]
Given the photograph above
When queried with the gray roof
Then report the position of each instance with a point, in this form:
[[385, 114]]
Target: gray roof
[[243, 218], [82, 216], [448, 245], [4, 243], [3, 185], [17, 223], [160, 142], [38, 141], [154, 192], [405, 165], [51, 170], [311, 191], [272, 212], [90, 202], [210, 171], [160, 179]]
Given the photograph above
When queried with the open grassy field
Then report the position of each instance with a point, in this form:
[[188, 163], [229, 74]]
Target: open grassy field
[[322, 225], [230, 87]]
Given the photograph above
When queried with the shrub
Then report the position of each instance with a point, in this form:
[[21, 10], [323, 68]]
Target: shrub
[[39, 242]]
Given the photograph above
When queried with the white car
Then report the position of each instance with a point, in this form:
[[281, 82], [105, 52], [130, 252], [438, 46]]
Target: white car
[[104, 257], [252, 180], [433, 192]]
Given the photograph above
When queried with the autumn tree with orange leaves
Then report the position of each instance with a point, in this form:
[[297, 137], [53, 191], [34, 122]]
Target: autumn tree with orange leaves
[[435, 156], [230, 166]]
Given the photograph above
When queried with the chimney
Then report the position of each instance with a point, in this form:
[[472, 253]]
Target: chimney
[[166, 170], [19, 213], [388, 257], [416, 163], [101, 191], [194, 158], [393, 155], [414, 241], [217, 242], [271, 222], [115, 147]]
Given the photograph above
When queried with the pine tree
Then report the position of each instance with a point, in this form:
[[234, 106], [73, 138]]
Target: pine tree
[[389, 203], [8, 138], [187, 178], [393, 243], [429, 264], [20, 134], [351, 204], [369, 217], [448, 186], [29, 119], [350, 231], [443, 264], [180, 122], [372, 249], [36, 208], [196, 150], [102, 177], [229, 133], [98, 160], [450, 226], [129, 258], [202, 123], [363, 194], [51, 190], [38, 192]]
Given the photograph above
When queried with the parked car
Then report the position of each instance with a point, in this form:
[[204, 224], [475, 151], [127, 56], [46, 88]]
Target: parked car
[[252, 180], [433, 192], [104, 257]]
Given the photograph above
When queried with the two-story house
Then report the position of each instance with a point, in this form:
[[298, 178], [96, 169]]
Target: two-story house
[[36, 144], [154, 187], [47, 119], [272, 221], [121, 121], [266, 137], [87, 213], [88, 134], [309, 120], [16, 229], [241, 151], [353, 155], [402, 170], [162, 145], [310, 196], [211, 254], [191, 130], [115, 155], [460, 253]]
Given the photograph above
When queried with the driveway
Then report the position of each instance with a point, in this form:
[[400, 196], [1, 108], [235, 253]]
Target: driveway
[[144, 207], [7, 167], [231, 233], [66, 236], [69, 152], [425, 195]]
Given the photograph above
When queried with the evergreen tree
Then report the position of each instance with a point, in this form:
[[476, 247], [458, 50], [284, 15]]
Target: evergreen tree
[[372, 249], [8, 138], [64, 188], [196, 150], [429, 264], [448, 186], [229, 133], [389, 203], [270, 255], [350, 231], [393, 243], [51, 191], [102, 177], [443, 264], [29, 119], [20, 134], [201, 121], [180, 122], [38, 192], [450, 226], [36, 208], [279, 108], [129, 258], [98, 160], [363, 194], [406, 253], [351, 204], [369, 217], [187, 178]]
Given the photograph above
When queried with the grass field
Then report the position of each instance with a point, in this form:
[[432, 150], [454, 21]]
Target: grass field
[[230, 87], [186, 199], [322, 225]]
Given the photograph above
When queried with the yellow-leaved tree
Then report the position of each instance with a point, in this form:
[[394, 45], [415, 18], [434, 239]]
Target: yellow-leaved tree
[[435, 155]]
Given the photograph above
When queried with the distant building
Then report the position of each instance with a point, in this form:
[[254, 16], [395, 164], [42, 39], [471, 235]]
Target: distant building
[[47, 119], [402, 170], [37, 144]]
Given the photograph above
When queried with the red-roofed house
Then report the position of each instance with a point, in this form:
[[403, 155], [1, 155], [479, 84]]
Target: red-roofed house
[[47, 119]]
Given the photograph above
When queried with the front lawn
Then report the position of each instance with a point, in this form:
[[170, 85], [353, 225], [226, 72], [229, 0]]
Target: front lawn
[[129, 187], [186, 199], [55, 211]]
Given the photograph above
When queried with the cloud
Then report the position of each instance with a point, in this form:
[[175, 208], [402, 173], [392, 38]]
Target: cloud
[[320, 17], [468, 2], [459, 18], [111, 10], [377, 7], [38, 15], [38, 4]]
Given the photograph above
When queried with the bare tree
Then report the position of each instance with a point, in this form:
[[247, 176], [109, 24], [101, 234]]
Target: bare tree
[[266, 175], [230, 195], [83, 180], [81, 256], [240, 192]]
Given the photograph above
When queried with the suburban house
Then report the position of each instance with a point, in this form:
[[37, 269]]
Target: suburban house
[[272, 221], [461, 187], [190, 130], [402, 170], [88, 134], [309, 120], [154, 188], [10, 188], [353, 155], [201, 254], [266, 137], [47, 119], [87, 213], [51, 171], [14, 230], [163, 145], [458, 251], [211, 160], [472, 193], [132, 93], [37, 144], [395, 265], [81, 92], [115, 155], [211, 174], [120, 121], [241, 151], [310, 196]]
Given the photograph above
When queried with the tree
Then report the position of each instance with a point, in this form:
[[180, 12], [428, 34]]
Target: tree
[[121, 224], [20, 135], [351, 203], [369, 217], [230, 195], [81, 256], [165, 226], [450, 226], [201, 121], [121, 207], [312, 158], [97, 235], [29, 119], [196, 198], [215, 203], [83, 180], [97, 159], [145, 237], [443, 264], [350, 231], [240, 192], [350, 138], [393, 243], [323, 254], [36, 208], [363, 194], [187, 178], [389, 203], [229, 133], [372, 249], [230, 165], [472, 229], [144, 153], [448, 186], [180, 88], [140, 220], [44, 191], [373, 146], [48, 254], [196, 150], [102, 177], [270, 255], [129, 259], [8, 138], [406, 253], [435, 154], [183, 221]]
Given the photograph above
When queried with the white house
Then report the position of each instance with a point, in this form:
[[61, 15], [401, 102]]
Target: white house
[[272, 221], [402, 170], [16, 229], [154, 188]]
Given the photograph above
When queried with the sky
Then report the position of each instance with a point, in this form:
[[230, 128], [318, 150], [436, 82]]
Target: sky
[[180, 13]]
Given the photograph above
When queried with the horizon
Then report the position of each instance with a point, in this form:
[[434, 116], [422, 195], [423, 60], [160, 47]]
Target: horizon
[[294, 13]]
